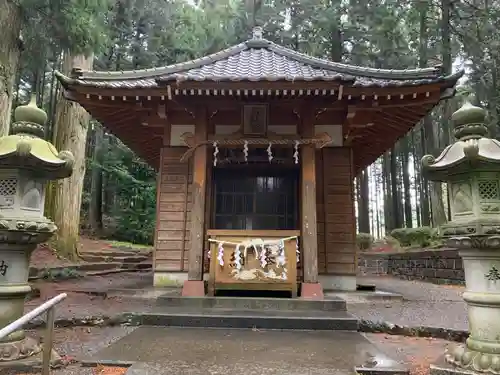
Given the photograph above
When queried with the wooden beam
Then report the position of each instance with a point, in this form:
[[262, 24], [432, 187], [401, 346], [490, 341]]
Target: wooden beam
[[227, 111], [392, 93], [343, 88], [309, 230], [421, 99], [388, 95], [277, 117], [195, 265]]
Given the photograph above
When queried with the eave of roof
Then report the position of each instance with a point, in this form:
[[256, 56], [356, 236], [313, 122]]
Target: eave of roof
[[258, 60]]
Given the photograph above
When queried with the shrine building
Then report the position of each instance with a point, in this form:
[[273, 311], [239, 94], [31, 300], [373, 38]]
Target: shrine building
[[256, 149]]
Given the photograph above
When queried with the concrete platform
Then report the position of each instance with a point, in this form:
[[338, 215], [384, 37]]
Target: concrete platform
[[191, 351], [247, 312], [257, 319]]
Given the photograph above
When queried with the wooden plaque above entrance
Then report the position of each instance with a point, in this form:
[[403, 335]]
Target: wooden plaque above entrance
[[255, 119]]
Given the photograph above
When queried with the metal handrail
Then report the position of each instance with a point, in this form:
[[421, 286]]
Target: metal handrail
[[48, 307]]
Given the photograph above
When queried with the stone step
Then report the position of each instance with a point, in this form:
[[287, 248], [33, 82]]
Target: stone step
[[35, 272], [120, 259], [113, 253], [243, 303], [247, 319], [117, 270], [137, 266]]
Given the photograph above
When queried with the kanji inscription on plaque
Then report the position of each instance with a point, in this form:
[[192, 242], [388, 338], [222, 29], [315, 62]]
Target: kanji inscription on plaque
[[3, 268]]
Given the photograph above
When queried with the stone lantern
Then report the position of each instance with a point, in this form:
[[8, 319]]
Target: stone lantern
[[27, 163], [471, 167]]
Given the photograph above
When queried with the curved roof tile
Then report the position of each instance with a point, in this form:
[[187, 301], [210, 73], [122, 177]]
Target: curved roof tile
[[257, 60]]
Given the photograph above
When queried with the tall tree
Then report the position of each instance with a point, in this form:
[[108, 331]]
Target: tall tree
[[95, 209], [72, 123], [10, 49]]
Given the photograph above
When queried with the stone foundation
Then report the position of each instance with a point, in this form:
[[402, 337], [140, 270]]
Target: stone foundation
[[338, 282], [171, 279], [436, 266], [328, 282]]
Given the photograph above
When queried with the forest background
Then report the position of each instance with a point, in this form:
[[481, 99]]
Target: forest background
[[112, 193]]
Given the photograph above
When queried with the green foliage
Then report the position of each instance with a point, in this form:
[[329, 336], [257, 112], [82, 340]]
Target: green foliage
[[73, 25], [136, 222], [134, 186], [392, 242], [422, 236], [60, 274], [364, 241]]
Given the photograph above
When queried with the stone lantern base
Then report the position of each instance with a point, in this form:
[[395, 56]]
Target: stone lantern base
[[24, 355], [441, 367], [18, 350], [481, 352]]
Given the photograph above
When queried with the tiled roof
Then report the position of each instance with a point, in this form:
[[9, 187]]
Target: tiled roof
[[256, 60]]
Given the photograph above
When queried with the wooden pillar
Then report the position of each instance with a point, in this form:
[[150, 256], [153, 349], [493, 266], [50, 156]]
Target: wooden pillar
[[194, 286], [309, 231], [159, 177]]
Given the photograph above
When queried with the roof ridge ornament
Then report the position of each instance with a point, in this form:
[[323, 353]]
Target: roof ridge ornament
[[257, 32]]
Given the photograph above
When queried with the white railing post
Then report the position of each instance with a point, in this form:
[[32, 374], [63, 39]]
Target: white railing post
[[49, 308], [48, 341]]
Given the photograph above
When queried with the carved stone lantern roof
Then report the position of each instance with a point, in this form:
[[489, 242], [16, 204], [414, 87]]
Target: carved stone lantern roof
[[473, 150], [25, 148]]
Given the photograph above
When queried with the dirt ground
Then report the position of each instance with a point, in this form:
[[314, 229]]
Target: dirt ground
[[43, 256]]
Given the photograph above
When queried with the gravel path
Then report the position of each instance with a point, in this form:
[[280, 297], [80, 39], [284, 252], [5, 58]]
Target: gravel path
[[423, 304]]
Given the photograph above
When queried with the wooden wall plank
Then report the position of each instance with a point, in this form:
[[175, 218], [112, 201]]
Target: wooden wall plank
[[172, 241], [338, 208]]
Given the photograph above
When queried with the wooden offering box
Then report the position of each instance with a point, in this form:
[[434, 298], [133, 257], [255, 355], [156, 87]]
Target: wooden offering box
[[267, 260]]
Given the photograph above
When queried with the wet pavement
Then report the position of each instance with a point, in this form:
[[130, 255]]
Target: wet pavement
[[416, 353], [423, 304], [225, 351]]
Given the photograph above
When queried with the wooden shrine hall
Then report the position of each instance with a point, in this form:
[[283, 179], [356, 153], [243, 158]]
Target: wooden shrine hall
[[256, 149]]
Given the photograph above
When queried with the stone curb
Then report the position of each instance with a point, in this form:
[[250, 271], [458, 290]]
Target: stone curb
[[37, 273], [88, 321], [368, 326], [365, 326]]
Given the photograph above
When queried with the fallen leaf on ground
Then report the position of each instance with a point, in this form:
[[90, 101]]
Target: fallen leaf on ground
[[110, 370]]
